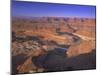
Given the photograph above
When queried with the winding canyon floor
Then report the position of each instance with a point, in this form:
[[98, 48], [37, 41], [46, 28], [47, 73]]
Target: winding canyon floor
[[54, 44]]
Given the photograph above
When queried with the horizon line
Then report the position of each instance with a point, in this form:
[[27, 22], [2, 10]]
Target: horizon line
[[52, 17]]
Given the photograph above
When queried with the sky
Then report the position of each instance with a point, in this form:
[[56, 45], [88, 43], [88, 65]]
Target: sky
[[38, 9]]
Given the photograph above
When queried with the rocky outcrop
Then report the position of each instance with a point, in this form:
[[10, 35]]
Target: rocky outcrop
[[82, 48], [29, 67]]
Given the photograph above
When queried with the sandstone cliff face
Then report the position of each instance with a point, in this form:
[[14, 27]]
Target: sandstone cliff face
[[26, 66], [82, 48], [29, 67]]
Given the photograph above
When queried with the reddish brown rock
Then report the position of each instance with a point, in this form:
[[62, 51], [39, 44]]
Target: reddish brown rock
[[82, 48]]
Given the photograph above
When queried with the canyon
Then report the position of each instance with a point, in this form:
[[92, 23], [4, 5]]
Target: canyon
[[48, 44]]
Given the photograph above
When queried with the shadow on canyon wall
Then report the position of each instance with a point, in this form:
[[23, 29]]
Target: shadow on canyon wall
[[58, 61], [16, 61]]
